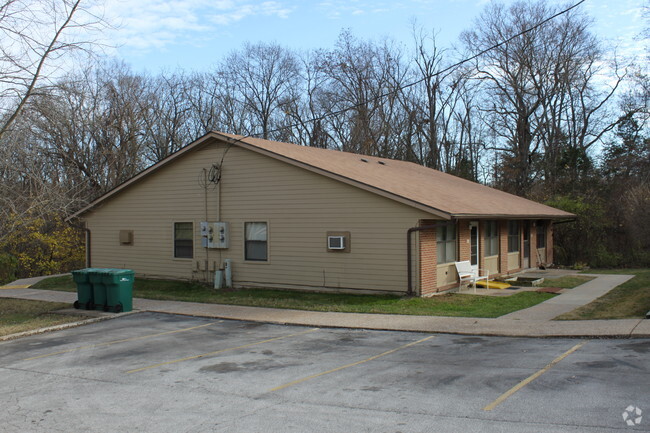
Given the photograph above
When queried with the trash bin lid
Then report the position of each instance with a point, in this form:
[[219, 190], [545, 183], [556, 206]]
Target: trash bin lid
[[84, 271], [117, 275], [82, 275], [123, 271]]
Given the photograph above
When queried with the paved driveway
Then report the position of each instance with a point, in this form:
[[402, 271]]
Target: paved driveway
[[151, 372]]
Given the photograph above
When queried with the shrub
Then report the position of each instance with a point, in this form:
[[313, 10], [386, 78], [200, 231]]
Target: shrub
[[44, 246], [8, 268]]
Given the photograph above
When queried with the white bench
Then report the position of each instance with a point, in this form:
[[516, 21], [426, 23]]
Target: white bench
[[467, 274]]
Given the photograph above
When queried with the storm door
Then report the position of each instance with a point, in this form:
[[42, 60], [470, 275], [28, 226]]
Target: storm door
[[473, 244], [526, 245]]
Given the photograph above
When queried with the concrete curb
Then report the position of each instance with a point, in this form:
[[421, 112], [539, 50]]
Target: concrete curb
[[318, 324], [62, 326], [627, 328], [535, 322]]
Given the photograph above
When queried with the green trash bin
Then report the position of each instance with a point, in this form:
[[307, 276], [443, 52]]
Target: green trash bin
[[119, 289], [85, 295], [96, 278]]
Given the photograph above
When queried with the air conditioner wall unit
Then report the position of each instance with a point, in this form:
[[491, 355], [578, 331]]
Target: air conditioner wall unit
[[336, 242]]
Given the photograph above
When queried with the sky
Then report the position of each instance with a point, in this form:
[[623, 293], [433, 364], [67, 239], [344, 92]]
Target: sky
[[166, 35]]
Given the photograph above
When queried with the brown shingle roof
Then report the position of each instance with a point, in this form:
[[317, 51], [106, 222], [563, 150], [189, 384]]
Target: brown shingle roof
[[441, 193], [431, 190]]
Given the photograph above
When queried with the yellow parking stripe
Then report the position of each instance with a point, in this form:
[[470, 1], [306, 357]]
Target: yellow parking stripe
[[119, 341], [19, 286], [313, 376], [216, 352], [526, 381]]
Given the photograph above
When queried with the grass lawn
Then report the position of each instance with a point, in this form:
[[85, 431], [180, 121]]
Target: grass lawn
[[567, 282], [443, 305], [630, 300], [19, 315]]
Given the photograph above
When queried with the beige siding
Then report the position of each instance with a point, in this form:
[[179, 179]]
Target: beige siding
[[513, 261], [447, 274], [299, 207], [492, 264]]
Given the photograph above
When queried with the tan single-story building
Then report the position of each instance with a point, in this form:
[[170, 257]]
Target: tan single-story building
[[300, 217]]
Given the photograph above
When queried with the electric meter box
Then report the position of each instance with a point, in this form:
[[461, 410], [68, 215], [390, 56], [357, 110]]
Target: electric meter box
[[220, 235], [205, 234], [215, 235]]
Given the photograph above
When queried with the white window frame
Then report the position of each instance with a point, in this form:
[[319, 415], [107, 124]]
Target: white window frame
[[491, 238], [449, 244], [512, 236], [249, 260], [174, 240]]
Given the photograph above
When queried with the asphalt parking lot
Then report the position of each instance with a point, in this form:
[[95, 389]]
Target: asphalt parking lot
[[151, 372]]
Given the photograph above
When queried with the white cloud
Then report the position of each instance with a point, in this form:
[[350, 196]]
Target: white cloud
[[154, 24], [239, 12], [335, 9]]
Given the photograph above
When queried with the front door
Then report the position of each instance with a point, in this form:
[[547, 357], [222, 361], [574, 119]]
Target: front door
[[473, 245], [527, 245]]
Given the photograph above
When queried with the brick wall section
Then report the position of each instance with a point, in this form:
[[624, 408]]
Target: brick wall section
[[428, 262], [503, 246], [463, 240], [428, 250]]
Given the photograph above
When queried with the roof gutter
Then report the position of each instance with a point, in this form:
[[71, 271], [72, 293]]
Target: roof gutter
[[409, 259], [512, 216], [87, 240], [564, 221]]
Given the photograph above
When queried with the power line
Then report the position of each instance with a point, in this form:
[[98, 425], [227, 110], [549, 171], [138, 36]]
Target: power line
[[409, 85]]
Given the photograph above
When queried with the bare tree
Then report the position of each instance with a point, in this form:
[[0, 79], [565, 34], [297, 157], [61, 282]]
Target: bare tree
[[203, 93], [260, 78], [305, 112], [541, 87], [35, 35], [92, 124], [363, 82], [434, 106], [166, 113]]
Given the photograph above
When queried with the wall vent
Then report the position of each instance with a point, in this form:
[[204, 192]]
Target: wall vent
[[336, 242]]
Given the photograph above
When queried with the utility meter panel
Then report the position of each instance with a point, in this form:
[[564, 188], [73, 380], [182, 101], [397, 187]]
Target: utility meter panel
[[205, 234], [220, 234]]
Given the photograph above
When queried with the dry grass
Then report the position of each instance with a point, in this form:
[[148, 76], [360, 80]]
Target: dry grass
[[567, 281], [630, 300], [20, 315], [445, 305]]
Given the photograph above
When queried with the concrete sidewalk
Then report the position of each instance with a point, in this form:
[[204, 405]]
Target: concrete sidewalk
[[535, 321], [571, 298]]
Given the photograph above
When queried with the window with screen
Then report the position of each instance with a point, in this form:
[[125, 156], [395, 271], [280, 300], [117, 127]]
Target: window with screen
[[513, 236], [184, 240], [256, 241], [446, 244], [491, 238]]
